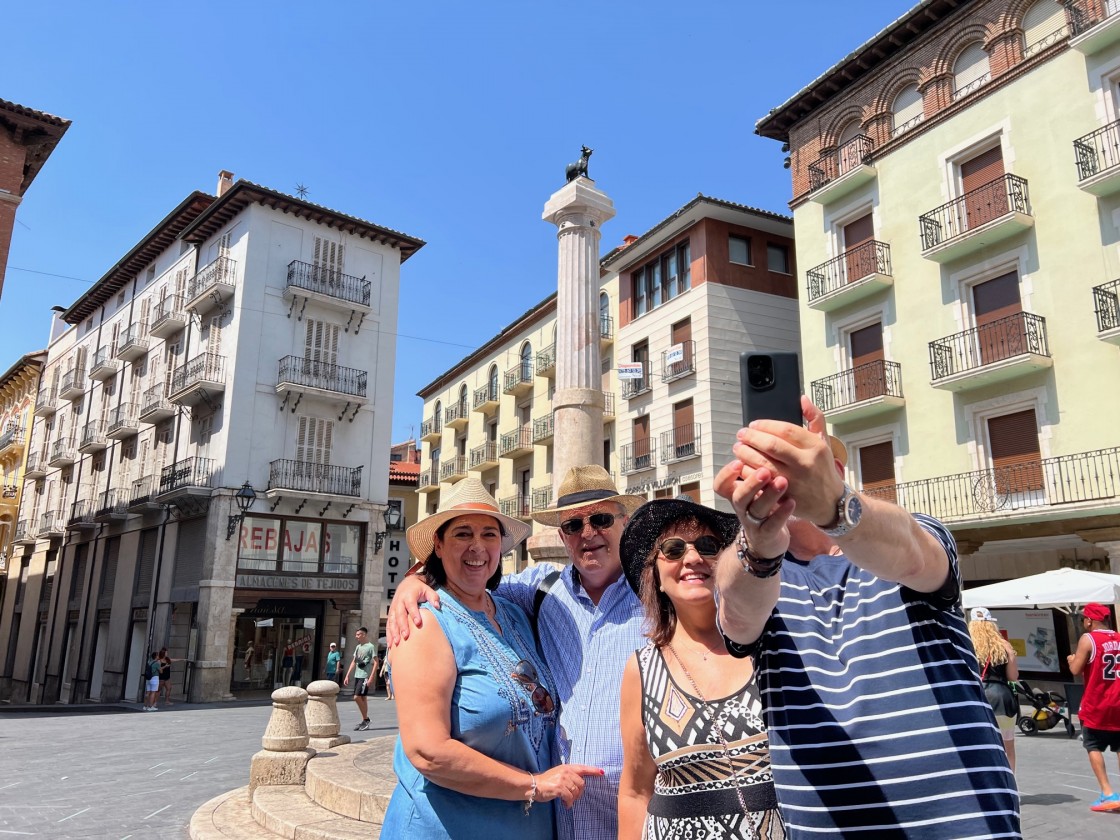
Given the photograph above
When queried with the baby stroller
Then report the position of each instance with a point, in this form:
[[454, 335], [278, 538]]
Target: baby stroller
[[1049, 710]]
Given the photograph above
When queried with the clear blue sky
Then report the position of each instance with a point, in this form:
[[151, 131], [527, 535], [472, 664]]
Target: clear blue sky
[[450, 121]]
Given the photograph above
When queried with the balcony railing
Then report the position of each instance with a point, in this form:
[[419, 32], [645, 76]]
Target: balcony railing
[[185, 474], [543, 429], [308, 373], [517, 506], [971, 87], [486, 398], [994, 200], [1106, 300], [864, 260], [851, 154], [429, 479], [143, 489], [93, 437], [680, 443], [542, 498], [606, 328], [50, 524], [678, 361], [1098, 151], [155, 406], [62, 452], [44, 402], [221, 272], [111, 504], [863, 382], [546, 360], [122, 421], [329, 282], [170, 316], [81, 515], [36, 465], [994, 342], [1085, 14], [203, 369], [134, 342], [453, 469], [608, 404], [72, 385], [12, 436], [519, 379], [104, 365], [1043, 486], [636, 456], [635, 387], [432, 428], [485, 456], [308, 477], [457, 415], [518, 441], [23, 532]]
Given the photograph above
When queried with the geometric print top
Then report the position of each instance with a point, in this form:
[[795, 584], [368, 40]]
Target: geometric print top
[[695, 794]]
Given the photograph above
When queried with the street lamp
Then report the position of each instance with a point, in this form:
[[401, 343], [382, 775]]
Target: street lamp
[[392, 516], [244, 498]]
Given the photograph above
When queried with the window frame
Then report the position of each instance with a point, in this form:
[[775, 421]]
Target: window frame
[[746, 240]]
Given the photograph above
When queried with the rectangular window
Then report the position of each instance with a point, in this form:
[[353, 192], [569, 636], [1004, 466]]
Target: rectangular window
[[313, 440], [876, 470], [653, 284], [777, 258], [639, 293], [739, 250], [1016, 455], [684, 266]]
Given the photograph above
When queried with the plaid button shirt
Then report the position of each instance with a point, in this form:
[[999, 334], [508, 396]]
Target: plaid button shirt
[[586, 647]]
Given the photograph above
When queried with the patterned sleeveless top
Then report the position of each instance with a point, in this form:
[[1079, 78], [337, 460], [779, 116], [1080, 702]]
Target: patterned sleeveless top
[[695, 793]]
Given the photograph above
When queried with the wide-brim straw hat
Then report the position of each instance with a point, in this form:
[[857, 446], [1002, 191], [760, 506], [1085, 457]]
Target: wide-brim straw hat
[[649, 521], [839, 450], [584, 486], [467, 497]]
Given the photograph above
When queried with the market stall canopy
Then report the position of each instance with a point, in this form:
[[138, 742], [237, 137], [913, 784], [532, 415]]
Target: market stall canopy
[[1060, 589]]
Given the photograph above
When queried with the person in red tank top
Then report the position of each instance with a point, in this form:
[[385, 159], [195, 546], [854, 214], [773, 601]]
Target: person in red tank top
[[1098, 657]]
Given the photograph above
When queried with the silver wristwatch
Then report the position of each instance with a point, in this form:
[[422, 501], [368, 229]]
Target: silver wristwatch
[[849, 511]]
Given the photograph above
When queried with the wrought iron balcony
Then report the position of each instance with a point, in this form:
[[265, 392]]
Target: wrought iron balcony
[[429, 480], [519, 379], [971, 87], [453, 469], [517, 506], [608, 405], [133, 343], [855, 274], [93, 437], [205, 373], [155, 407], [680, 443], [104, 365], [486, 398], [111, 505], [36, 465], [123, 422], [606, 330], [50, 525], [1043, 488], [1097, 155], [327, 284], [12, 438], [188, 477], [981, 217], [307, 376], [635, 457], [543, 429], [542, 498], [837, 173], [431, 430], [546, 361], [142, 494], [170, 317], [515, 443], [1106, 303], [678, 361], [858, 392], [1095, 24], [81, 516], [63, 452], [23, 535], [456, 416], [212, 286], [45, 402], [636, 387], [307, 477], [73, 384], [485, 457], [997, 351]]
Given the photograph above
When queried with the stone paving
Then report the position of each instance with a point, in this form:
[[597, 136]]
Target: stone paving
[[119, 773]]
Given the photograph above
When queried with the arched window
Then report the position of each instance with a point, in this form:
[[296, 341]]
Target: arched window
[[438, 419], [1043, 24], [850, 149], [971, 70], [492, 385], [463, 400], [604, 315], [907, 110], [526, 361]]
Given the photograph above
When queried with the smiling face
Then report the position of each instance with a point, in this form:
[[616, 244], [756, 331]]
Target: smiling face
[[691, 579], [594, 551], [471, 549]]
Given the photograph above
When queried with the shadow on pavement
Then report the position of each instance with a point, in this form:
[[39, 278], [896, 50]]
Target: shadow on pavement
[[1047, 799]]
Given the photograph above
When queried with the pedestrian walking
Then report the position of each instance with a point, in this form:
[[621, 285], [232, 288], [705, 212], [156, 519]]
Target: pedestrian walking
[[151, 686], [333, 659], [363, 666], [1098, 657]]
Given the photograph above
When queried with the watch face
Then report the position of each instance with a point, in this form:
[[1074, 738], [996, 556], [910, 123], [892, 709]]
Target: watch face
[[853, 510]]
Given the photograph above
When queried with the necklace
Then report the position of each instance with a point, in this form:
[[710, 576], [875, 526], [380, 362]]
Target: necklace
[[717, 730]]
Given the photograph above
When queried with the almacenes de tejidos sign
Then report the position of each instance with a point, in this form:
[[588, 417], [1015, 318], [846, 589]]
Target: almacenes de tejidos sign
[[297, 582]]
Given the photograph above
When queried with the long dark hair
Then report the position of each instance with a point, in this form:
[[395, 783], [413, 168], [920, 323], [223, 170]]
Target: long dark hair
[[661, 616], [434, 573]]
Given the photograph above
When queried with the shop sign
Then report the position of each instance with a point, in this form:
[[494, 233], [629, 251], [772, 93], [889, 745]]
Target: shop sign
[[662, 483], [298, 582]]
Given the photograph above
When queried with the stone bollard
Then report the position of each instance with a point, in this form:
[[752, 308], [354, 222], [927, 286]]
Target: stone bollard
[[283, 761], [322, 715]]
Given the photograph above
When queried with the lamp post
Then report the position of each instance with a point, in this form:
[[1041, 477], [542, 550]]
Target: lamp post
[[244, 498], [392, 517]]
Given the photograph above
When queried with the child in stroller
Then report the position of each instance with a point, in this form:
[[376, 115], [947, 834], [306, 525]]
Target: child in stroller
[[1049, 710]]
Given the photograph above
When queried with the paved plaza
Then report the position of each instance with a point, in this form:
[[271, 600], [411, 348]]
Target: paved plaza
[[121, 773]]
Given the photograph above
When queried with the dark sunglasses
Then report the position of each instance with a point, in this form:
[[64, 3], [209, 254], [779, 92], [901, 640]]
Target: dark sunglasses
[[675, 548], [599, 521], [526, 675]]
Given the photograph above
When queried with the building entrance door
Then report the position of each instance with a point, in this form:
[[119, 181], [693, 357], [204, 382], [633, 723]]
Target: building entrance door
[[276, 644]]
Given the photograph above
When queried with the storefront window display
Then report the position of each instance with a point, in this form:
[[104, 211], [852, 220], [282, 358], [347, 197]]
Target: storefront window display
[[300, 547]]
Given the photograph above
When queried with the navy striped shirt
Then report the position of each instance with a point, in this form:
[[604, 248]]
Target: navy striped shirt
[[877, 719]]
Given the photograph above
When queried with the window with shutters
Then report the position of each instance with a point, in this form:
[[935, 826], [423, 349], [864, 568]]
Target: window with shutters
[[996, 310], [320, 348], [165, 437], [328, 260], [1044, 24], [204, 432], [126, 469], [866, 352], [908, 110], [983, 188], [313, 440], [876, 470], [1015, 452], [971, 70]]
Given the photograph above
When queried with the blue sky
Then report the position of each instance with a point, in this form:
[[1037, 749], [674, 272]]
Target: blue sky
[[448, 121]]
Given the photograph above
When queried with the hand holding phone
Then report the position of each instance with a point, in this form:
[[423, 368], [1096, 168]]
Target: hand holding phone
[[771, 384]]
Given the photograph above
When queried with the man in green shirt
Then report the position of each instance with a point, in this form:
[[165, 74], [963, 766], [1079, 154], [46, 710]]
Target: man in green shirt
[[363, 666]]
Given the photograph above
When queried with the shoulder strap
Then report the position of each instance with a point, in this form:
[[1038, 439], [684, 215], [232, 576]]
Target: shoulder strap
[[538, 599]]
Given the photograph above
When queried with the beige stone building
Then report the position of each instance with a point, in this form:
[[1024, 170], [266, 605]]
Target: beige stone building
[[18, 388]]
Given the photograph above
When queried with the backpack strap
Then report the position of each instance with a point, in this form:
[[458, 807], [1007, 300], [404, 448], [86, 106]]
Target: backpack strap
[[538, 599]]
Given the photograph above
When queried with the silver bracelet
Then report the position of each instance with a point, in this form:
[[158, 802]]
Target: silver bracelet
[[753, 565], [532, 794]]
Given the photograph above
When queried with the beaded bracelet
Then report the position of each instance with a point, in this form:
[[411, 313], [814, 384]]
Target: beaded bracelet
[[532, 794], [753, 565]]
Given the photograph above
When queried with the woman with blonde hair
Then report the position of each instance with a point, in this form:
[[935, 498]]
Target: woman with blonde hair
[[998, 667]]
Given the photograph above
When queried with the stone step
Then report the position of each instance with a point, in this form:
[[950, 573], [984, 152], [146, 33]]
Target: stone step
[[287, 811], [228, 817], [354, 780]]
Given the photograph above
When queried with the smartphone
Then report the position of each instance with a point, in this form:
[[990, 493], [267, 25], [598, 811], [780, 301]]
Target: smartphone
[[771, 387]]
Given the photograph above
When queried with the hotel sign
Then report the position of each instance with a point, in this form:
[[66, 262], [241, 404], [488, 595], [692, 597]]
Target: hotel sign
[[305, 583]]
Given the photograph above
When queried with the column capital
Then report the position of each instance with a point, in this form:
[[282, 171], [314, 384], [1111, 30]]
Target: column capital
[[578, 198]]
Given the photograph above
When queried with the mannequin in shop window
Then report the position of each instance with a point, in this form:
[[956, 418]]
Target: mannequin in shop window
[[288, 662]]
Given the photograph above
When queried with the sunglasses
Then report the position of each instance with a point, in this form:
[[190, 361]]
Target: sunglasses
[[599, 521], [525, 674], [675, 548]]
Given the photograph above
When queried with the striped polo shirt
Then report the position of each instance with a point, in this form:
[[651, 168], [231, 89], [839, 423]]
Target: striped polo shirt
[[877, 719]]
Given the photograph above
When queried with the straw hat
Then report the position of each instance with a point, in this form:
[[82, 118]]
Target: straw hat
[[467, 497], [839, 450], [584, 486], [649, 521]]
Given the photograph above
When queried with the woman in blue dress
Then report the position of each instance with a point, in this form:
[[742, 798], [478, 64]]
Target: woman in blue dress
[[476, 709]]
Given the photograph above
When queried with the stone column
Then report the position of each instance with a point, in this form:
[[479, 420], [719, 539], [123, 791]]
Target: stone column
[[283, 761], [213, 661], [322, 715]]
